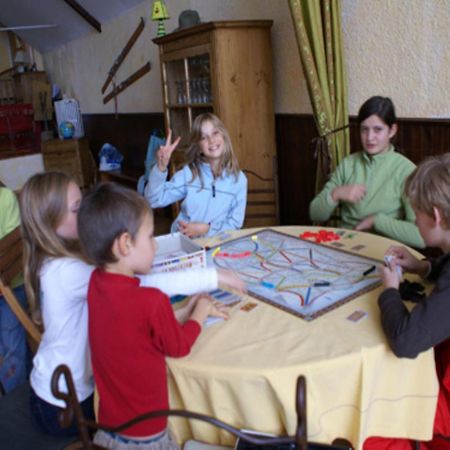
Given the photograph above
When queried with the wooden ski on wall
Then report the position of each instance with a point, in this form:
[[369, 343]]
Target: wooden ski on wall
[[123, 54], [130, 80]]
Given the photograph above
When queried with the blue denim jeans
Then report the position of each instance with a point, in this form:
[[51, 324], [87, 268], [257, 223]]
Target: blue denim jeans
[[46, 415], [15, 358]]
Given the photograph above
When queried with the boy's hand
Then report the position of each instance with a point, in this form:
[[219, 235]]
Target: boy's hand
[[205, 306], [232, 280], [404, 259], [352, 193], [190, 304], [220, 310], [165, 151], [390, 276], [182, 314], [193, 229]]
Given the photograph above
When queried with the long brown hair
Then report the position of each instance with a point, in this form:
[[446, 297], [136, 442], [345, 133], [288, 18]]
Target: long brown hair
[[194, 156], [43, 204]]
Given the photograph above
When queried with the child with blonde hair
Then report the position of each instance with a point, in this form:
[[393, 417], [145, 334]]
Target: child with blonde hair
[[131, 328], [56, 278], [211, 187], [427, 325]]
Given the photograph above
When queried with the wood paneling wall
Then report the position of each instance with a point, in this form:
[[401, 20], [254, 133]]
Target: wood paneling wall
[[296, 166], [129, 133], [417, 138]]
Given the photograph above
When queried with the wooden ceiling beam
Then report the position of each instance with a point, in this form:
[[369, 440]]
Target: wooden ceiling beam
[[84, 14]]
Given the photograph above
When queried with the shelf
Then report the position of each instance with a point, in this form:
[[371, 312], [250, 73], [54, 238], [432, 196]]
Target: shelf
[[190, 105]]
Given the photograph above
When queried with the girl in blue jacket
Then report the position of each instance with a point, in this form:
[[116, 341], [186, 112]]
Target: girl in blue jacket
[[211, 186]]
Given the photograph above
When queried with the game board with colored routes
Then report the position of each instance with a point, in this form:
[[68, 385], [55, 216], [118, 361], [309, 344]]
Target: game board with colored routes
[[302, 277]]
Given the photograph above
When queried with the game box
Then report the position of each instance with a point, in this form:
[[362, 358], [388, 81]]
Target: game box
[[176, 251]]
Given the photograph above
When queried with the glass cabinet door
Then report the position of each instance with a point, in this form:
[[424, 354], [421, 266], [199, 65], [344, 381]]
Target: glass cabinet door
[[199, 80], [187, 93]]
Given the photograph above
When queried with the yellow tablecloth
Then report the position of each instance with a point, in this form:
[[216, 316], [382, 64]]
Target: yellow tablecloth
[[244, 371]]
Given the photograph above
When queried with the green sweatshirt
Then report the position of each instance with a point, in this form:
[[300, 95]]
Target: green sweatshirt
[[384, 176], [9, 218]]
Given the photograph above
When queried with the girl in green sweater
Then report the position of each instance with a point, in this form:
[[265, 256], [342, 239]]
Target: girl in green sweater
[[13, 345], [369, 185]]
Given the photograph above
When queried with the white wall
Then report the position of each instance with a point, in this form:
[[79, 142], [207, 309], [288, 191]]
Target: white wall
[[398, 48], [15, 171], [81, 66]]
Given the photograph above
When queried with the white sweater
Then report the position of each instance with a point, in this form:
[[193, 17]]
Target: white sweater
[[64, 286]]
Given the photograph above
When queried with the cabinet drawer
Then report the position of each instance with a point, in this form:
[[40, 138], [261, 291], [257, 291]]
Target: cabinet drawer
[[67, 162], [71, 156]]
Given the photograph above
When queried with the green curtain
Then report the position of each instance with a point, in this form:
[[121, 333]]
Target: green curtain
[[317, 25]]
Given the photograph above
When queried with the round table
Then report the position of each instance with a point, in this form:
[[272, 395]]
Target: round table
[[243, 371]]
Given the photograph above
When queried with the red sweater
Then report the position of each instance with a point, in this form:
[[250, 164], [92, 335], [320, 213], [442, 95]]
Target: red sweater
[[131, 330]]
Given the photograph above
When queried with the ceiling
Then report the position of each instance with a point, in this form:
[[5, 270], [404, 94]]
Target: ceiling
[[69, 24]]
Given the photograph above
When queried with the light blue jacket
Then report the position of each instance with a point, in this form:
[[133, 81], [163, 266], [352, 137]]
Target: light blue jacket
[[220, 203]]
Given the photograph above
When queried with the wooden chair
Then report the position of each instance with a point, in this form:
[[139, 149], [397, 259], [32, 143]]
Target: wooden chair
[[11, 265], [262, 199], [17, 428], [73, 411]]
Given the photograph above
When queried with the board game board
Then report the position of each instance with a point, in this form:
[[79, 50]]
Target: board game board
[[299, 276]]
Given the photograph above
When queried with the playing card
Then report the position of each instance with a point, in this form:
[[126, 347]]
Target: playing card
[[357, 315], [249, 306]]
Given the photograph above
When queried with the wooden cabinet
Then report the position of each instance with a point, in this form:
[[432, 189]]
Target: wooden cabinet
[[225, 68], [71, 156]]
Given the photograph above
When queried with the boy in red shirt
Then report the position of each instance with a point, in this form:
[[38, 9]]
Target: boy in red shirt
[[131, 328]]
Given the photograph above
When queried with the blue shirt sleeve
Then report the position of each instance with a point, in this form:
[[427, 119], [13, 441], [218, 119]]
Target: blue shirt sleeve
[[160, 192]]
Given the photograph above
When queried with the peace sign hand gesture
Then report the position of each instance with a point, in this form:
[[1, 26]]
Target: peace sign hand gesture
[[165, 151]]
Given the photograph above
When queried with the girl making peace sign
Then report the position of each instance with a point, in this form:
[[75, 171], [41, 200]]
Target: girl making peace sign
[[211, 186]]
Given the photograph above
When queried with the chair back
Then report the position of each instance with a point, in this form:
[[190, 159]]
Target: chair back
[[262, 199], [73, 411], [11, 265]]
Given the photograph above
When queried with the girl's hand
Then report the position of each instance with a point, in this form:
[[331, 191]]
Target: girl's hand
[[165, 151], [192, 229], [389, 276], [231, 280], [407, 261], [352, 193], [365, 224]]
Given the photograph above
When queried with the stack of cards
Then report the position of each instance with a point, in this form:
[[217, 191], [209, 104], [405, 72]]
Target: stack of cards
[[388, 259], [357, 315]]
